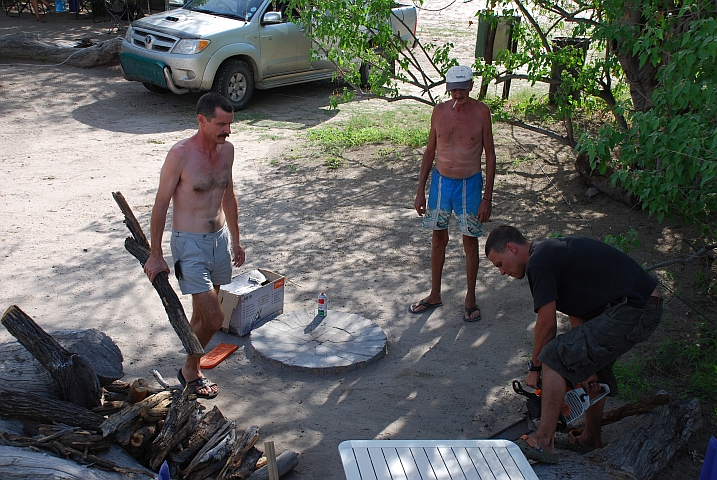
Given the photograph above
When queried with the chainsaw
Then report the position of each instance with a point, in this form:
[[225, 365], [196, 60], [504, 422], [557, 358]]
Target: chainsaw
[[575, 403]]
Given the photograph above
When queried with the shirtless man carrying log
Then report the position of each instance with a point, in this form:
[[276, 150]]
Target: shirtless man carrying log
[[461, 129], [197, 178]]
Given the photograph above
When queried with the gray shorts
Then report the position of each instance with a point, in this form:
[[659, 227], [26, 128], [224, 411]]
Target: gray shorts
[[201, 260], [594, 346]]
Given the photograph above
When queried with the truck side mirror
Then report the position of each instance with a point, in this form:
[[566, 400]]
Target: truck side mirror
[[271, 18]]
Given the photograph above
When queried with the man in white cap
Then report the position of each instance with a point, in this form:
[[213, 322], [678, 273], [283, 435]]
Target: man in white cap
[[461, 130]]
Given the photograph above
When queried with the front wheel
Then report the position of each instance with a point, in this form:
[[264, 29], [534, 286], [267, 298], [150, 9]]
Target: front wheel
[[235, 82]]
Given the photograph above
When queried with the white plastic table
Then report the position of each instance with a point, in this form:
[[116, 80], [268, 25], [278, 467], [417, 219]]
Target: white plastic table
[[434, 460]]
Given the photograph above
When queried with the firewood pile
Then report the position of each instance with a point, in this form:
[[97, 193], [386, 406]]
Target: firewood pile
[[153, 425]]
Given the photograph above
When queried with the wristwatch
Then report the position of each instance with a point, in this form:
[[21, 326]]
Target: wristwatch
[[534, 368]]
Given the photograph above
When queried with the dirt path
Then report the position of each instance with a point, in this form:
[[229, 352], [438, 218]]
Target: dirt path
[[70, 137]]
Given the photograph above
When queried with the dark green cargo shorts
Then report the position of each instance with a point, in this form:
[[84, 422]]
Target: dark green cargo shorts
[[594, 346]]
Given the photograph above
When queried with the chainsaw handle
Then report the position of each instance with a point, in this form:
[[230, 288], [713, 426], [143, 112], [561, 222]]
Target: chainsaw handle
[[518, 388]]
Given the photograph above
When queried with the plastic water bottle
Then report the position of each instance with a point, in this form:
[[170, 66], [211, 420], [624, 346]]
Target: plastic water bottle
[[323, 305], [59, 6]]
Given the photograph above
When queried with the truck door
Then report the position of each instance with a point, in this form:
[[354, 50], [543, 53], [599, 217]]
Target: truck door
[[284, 47]]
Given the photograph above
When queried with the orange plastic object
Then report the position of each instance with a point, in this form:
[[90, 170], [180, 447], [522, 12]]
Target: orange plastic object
[[215, 356]]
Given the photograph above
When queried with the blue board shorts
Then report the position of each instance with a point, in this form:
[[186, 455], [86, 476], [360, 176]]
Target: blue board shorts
[[594, 346], [201, 260], [462, 196]]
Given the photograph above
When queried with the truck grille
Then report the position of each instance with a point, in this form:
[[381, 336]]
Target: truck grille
[[151, 40]]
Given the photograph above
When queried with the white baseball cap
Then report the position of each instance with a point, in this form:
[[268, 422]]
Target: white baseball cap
[[459, 77]]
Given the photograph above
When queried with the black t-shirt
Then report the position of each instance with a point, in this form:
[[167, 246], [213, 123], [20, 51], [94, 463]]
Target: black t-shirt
[[583, 275]]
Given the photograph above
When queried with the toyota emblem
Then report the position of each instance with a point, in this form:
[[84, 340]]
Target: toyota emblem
[[148, 41]]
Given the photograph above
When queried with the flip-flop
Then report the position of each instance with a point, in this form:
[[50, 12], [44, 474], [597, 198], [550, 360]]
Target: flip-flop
[[426, 307], [533, 451], [195, 385], [470, 311], [572, 443]]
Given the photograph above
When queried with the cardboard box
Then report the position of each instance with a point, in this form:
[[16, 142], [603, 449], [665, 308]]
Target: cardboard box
[[250, 298]]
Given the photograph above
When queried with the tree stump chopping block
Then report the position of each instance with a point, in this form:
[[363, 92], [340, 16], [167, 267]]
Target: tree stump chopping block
[[138, 246], [73, 374]]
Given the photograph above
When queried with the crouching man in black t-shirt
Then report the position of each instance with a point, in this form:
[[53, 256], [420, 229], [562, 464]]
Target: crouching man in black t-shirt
[[612, 304]]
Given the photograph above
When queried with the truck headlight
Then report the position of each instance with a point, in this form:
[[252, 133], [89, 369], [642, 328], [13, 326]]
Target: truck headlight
[[128, 35], [188, 46]]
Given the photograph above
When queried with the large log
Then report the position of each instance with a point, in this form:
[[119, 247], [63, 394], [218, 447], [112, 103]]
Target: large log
[[73, 374], [138, 246], [29, 46], [284, 462], [20, 371], [641, 451], [21, 464], [28, 406]]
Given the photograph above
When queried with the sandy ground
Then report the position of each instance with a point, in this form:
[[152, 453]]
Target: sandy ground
[[69, 137]]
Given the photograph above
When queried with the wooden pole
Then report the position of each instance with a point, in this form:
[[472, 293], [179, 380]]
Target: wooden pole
[[270, 455], [139, 247]]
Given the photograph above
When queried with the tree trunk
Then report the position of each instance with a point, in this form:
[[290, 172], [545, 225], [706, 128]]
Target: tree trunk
[[641, 79], [29, 46], [73, 374]]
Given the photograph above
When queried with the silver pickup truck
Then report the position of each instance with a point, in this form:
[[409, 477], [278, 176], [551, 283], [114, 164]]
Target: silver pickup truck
[[230, 47]]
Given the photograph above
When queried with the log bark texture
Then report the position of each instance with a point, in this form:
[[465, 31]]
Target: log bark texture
[[22, 464], [207, 427], [245, 443], [73, 374], [138, 246], [181, 420], [20, 371], [639, 454], [28, 406], [248, 464], [284, 462], [29, 46], [130, 414], [211, 451]]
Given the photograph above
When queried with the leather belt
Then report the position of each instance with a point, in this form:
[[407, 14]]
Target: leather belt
[[654, 300]]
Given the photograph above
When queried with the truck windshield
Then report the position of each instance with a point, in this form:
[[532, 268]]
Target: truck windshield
[[239, 9]]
